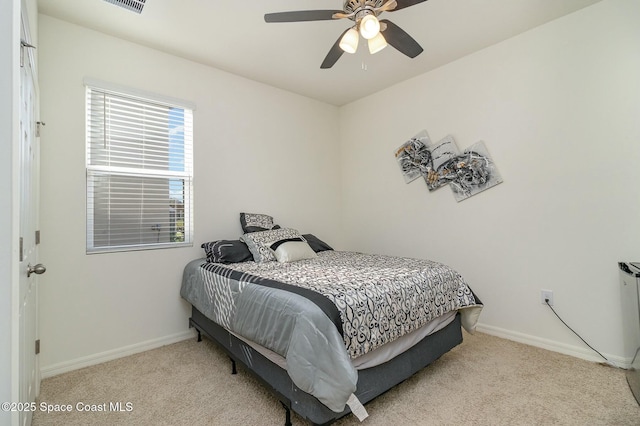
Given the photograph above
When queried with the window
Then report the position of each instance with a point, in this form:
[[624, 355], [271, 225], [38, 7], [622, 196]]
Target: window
[[139, 171]]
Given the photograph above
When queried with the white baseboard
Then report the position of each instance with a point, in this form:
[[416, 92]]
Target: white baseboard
[[551, 345], [75, 364]]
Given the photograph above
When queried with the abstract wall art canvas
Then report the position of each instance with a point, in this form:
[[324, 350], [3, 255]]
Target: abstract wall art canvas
[[441, 163], [475, 171], [414, 157], [439, 170]]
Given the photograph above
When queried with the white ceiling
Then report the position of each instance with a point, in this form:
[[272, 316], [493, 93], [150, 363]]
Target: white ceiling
[[231, 35]]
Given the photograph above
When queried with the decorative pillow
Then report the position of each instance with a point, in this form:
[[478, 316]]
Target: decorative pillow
[[292, 250], [227, 251], [260, 242], [278, 243], [249, 229], [255, 222], [316, 244]]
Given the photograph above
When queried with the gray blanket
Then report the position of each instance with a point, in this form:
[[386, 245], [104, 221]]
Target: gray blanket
[[284, 307]]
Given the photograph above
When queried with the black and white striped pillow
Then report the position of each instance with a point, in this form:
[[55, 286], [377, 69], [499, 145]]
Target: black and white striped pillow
[[227, 251]]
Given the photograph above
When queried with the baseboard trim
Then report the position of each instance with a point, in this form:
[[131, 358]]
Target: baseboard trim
[[87, 361], [551, 345]]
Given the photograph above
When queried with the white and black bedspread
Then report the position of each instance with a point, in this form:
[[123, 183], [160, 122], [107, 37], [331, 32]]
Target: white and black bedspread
[[308, 311]]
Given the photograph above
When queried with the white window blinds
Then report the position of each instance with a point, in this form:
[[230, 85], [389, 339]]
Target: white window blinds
[[139, 172]]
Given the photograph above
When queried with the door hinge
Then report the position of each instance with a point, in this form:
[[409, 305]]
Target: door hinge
[[21, 249], [24, 44], [37, 237], [39, 125], [37, 346]]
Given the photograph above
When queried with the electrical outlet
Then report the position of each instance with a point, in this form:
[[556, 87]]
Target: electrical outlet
[[546, 295]]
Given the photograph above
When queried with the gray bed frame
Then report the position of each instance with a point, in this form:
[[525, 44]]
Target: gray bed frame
[[372, 382]]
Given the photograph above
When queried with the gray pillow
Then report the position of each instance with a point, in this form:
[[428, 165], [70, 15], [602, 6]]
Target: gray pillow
[[316, 243], [227, 251]]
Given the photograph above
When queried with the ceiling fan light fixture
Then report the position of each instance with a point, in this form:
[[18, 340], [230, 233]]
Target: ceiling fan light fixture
[[369, 26], [377, 43], [349, 42], [364, 15]]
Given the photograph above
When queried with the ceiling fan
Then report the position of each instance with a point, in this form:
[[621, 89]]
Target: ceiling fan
[[365, 14]]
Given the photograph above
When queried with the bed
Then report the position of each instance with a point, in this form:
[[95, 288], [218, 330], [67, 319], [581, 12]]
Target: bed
[[325, 330]]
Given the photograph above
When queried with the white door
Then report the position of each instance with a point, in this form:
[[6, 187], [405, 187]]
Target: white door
[[29, 374]]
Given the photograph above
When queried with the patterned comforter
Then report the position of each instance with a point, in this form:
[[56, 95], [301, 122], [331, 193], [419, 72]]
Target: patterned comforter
[[308, 311]]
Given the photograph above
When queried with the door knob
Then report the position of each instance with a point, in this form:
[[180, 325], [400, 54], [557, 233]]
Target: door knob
[[38, 269]]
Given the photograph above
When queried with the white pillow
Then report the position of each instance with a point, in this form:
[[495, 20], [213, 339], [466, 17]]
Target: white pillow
[[294, 250]]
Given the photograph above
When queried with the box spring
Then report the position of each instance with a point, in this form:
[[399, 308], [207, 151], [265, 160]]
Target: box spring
[[372, 382]]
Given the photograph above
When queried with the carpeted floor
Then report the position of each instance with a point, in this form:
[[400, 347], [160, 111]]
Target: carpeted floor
[[484, 381]]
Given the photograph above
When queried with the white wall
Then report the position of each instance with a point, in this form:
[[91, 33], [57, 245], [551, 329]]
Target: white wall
[[557, 107], [257, 149], [559, 110]]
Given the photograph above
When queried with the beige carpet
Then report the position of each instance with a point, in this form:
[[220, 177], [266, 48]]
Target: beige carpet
[[484, 381]]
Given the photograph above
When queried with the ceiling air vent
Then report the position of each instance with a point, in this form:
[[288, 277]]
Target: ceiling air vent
[[132, 5]]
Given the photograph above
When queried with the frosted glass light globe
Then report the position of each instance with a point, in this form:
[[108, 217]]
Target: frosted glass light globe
[[369, 27]]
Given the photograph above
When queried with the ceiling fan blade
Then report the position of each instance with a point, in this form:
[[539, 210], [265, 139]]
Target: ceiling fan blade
[[399, 39], [342, 15], [334, 53], [301, 15], [389, 6], [406, 3]]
